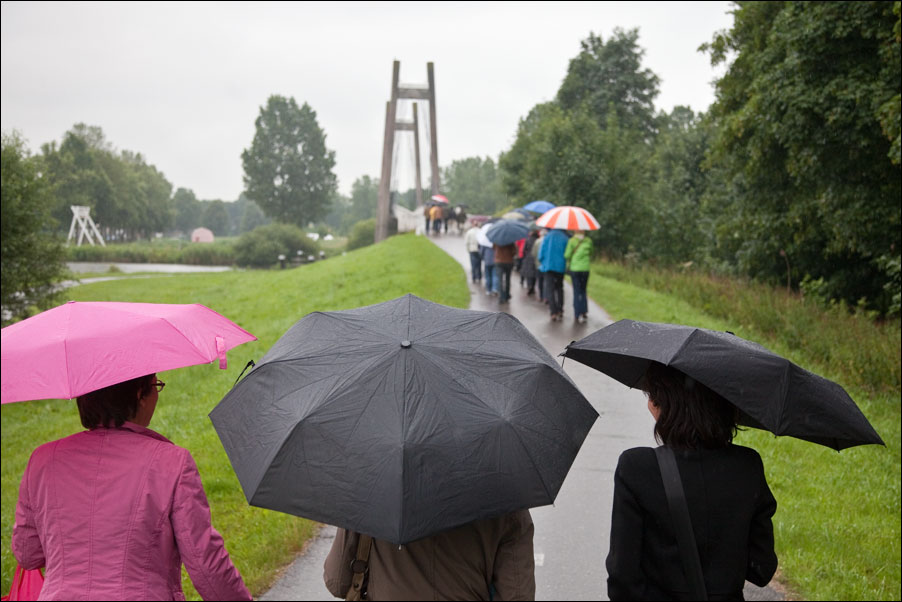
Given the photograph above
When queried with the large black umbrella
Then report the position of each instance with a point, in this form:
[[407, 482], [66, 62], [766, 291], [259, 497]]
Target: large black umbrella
[[507, 231], [403, 419], [771, 392]]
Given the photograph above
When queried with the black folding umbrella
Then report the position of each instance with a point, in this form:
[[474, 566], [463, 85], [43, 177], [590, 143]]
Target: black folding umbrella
[[403, 419], [507, 231], [771, 392]]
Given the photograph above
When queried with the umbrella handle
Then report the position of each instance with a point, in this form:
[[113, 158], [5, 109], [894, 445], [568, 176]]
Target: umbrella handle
[[250, 364]]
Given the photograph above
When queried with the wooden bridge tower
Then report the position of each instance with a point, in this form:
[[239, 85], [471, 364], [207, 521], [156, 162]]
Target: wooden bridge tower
[[392, 124]]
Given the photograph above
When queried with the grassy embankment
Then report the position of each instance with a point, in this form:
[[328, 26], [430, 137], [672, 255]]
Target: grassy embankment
[[838, 523], [266, 303], [838, 519]]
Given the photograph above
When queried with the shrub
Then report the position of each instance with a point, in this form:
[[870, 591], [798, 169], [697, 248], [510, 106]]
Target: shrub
[[214, 253], [262, 246], [362, 234]]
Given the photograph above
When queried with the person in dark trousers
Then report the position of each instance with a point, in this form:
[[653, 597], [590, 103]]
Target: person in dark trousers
[[730, 504], [488, 258], [528, 269], [471, 241], [551, 259], [578, 255], [504, 265]]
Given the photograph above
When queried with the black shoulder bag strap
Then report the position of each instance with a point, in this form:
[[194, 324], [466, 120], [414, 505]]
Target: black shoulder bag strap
[[682, 524]]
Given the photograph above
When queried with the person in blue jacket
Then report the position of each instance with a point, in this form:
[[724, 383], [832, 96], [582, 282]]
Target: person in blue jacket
[[551, 258]]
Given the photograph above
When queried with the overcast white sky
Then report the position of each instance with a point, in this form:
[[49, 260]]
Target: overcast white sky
[[182, 83]]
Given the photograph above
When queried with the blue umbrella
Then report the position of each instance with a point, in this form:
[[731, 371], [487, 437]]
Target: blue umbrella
[[507, 231], [539, 206]]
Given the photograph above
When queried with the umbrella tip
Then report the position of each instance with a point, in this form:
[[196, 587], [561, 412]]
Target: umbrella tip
[[405, 344]]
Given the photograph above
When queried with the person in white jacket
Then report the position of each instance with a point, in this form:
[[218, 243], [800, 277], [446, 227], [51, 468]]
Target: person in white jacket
[[471, 241]]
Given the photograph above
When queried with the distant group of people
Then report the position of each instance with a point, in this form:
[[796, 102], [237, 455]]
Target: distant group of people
[[542, 259], [439, 215]]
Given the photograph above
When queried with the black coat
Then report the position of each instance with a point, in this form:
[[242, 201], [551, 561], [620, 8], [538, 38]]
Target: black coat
[[731, 508]]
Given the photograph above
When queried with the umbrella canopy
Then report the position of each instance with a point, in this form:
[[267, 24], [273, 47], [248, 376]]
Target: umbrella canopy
[[439, 198], [539, 206], [517, 216], [79, 347], [403, 419], [771, 392], [506, 232], [568, 218]]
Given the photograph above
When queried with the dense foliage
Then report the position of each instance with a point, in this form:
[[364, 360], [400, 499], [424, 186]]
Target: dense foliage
[[128, 197], [476, 183], [261, 247], [346, 212], [808, 160], [31, 257], [362, 234], [288, 169], [793, 177]]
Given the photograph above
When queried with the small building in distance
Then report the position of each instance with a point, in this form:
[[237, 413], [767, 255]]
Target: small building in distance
[[202, 235]]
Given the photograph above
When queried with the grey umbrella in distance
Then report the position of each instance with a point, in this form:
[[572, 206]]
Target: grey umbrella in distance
[[771, 392], [403, 419]]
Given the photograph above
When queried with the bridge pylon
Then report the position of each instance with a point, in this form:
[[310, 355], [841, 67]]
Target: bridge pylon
[[393, 124]]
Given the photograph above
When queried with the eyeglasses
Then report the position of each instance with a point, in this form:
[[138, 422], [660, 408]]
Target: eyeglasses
[[158, 385]]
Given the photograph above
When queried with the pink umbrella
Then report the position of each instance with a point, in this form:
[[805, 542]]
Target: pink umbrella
[[568, 218], [440, 198], [80, 347]]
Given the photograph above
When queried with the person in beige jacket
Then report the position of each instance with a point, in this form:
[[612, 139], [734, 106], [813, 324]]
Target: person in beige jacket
[[490, 559]]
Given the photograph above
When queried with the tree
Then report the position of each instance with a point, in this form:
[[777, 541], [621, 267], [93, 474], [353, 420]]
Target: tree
[[216, 217], [475, 182], [188, 210], [678, 230], [251, 218], [74, 177], [807, 142], [567, 158], [608, 77], [288, 169], [124, 192], [30, 254], [364, 198]]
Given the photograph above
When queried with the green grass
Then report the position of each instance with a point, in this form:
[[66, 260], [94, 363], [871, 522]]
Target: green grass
[[837, 525], [838, 521], [266, 303]]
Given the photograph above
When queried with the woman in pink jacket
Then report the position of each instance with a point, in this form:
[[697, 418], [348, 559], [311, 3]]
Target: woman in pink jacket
[[114, 511]]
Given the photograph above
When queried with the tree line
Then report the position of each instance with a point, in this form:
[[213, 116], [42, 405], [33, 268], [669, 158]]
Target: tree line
[[792, 176]]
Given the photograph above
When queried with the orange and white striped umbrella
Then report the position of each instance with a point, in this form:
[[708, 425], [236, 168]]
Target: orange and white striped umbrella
[[568, 218]]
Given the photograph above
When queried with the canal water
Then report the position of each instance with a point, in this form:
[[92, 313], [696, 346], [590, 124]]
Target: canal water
[[81, 267]]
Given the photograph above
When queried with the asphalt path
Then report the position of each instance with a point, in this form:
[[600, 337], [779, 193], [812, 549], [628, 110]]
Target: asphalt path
[[571, 536]]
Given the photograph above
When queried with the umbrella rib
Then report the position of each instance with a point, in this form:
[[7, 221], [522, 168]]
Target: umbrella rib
[[182, 334], [489, 406]]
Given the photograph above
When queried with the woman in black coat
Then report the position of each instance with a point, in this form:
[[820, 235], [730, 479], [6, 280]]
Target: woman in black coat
[[729, 502]]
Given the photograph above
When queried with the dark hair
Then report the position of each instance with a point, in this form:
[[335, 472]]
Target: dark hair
[[692, 415], [113, 405]]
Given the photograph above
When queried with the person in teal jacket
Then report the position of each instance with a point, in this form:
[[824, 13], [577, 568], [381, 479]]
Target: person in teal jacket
[[552, 263], [578, 255]]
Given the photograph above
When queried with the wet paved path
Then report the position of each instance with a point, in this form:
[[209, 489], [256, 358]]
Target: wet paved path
[[571, 536]]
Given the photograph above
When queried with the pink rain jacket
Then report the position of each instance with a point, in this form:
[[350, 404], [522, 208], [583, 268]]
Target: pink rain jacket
[[113, 513]]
